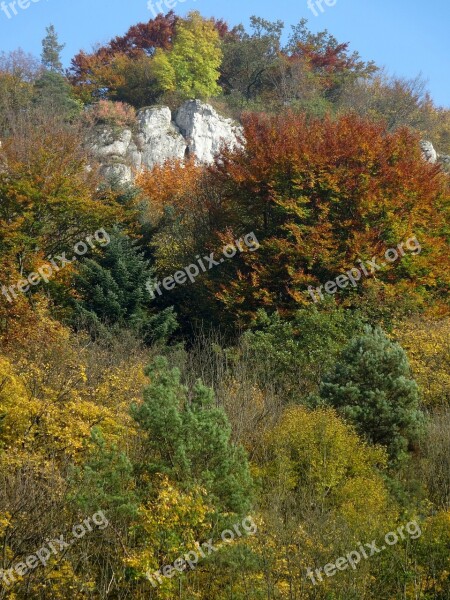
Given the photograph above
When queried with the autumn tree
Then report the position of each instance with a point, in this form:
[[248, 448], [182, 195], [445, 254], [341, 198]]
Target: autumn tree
[[320, 198], [123, 65], [191, 67], [176, 204], [49, 199], [322, 490], [18, 72], [395, 100], [435, 459], [328, 59], [427, 344], [308, 73], [181, 208]]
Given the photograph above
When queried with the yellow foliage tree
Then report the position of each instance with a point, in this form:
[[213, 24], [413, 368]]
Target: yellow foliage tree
[[191, 67], [326, 494], [427, 344], [173, 522]]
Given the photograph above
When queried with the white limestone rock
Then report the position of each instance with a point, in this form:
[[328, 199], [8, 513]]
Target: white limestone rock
[[205, 130], [428, 151], [158, 138], [109, 142], [117, 171], [195, 129]]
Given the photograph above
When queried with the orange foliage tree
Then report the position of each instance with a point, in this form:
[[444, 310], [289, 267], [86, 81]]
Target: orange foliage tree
[[322, 194]]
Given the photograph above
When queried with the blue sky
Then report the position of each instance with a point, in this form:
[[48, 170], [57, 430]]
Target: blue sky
[[407, 36]]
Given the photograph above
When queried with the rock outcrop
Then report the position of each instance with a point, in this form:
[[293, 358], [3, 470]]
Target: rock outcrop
[[429, 153], [205, 130], [195, 129]]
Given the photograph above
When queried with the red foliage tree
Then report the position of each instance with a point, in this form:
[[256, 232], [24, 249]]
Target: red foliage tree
[[90, 73]]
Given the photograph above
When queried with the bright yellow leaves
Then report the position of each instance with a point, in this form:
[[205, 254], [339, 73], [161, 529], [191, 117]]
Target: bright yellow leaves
[[17, 411], [317, 449], [192, 65], [173, 522], [54, 394], [324, 494], [428, 347]]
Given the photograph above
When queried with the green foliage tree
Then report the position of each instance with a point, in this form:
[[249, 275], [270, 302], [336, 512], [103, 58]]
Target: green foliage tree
[[191, 67], [371, 385], [112, 287], [51, 51], [293, 354], [189, 440], [105, 480], [248, 58], [53, 94]]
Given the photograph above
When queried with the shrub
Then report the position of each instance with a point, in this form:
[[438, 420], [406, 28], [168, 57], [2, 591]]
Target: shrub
[[106, 112]]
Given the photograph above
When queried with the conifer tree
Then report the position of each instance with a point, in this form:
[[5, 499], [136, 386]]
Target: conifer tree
[[189, 440], [105, 480], [112, 286], [51, 51], [371, 386], [53, 94], [51, 90]]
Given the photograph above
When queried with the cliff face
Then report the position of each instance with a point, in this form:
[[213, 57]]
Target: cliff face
[[194, 129]]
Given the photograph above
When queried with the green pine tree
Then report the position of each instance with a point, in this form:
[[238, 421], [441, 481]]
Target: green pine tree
[[371, 385], [51, 51], [112, 286], [291, 355], [189, 440], [54, 95], [104, 481]]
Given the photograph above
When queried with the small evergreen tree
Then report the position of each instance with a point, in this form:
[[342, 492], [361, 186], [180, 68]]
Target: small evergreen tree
[[105, 480], [291, 355], [54, 95], [189, 440], [112, 286], [371, 385], [51, 90], [51, 51]]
